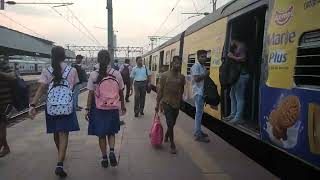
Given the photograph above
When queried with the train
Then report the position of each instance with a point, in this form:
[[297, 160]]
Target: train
[[283, 93]]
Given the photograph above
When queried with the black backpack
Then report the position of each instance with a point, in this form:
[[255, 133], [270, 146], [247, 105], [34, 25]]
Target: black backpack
[[229, 72], [211, 95], [125, 73], [82, 75], [20, 94]]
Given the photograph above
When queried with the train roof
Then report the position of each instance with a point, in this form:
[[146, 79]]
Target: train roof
[[224, 11]]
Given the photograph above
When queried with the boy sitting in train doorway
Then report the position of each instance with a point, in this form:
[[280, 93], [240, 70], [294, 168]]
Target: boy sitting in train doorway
[[199, 73], [170, 92]]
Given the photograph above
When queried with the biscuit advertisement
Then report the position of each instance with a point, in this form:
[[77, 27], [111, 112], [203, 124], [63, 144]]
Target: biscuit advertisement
[[290, 119]]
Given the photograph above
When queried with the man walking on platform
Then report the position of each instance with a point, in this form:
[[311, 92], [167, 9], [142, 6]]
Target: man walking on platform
[[6, 75], [170, 94], [140, 78], [82, 79], [199, 72], [125, 70]]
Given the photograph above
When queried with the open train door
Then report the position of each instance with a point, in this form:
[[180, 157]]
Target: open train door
[[253, 18]]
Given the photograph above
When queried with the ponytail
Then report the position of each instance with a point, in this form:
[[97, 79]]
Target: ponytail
[[57, 56], [103, 60]]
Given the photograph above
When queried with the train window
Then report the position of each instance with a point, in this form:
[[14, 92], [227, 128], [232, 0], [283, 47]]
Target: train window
[[167, 57], [307, 69], [173, 53], [191, 61], [208, 62]]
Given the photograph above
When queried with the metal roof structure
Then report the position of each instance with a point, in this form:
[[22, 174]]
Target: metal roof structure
[[13, 42]]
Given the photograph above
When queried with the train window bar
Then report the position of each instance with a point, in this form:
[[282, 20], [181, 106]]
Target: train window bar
[[307, 68]]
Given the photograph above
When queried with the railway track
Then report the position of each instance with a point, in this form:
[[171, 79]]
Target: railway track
[[23, 115]]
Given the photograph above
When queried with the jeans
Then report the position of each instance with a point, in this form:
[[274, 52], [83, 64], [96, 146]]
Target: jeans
[[199, 102], [76, 92], [237, 97]]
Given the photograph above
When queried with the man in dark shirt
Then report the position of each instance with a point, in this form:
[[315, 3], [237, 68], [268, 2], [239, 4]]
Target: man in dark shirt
[[6, 75], [170, 94], [82, 79]]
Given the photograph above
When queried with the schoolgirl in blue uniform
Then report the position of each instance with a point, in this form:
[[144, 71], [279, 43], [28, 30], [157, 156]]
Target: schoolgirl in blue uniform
[[61, 117]]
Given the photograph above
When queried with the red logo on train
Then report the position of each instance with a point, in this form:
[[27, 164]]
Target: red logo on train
[[282, 18]]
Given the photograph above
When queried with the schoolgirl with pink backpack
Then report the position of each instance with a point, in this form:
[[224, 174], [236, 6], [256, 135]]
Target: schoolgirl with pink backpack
[[104, 106]]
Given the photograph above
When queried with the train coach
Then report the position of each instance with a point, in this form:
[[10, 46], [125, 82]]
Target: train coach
[[283, 93]]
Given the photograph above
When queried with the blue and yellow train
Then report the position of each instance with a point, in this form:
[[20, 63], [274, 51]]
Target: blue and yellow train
[[283, 93]]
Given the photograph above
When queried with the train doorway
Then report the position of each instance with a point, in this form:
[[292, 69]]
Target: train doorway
[[252, 37]]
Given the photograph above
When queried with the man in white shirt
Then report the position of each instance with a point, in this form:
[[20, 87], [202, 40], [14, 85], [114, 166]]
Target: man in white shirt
[[199, 72], [140, 75]]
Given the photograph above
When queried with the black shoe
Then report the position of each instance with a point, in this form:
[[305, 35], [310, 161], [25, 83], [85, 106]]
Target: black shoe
[[141, 113], [127, 100], [202, 139], [136, 115], [60, 172], [113, 159], [105, 163], [122, 123], [204, 134]]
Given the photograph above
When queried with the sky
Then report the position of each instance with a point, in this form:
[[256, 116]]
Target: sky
[[134, 20]]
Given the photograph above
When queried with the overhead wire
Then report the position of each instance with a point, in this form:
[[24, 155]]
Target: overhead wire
[[194, 5], [88, 31], [24, 26], [70, 22], [166, 19]]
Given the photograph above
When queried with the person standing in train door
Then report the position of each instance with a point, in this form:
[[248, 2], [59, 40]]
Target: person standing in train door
[[6, 75], [61, 116], [140, 78], [199, 72], [170, 95], [104, 105]]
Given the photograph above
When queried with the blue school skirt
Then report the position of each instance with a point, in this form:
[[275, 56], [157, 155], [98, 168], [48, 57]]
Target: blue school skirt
[[103, 122], [63, 123]]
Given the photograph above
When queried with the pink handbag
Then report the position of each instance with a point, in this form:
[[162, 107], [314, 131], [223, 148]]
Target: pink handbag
[[156, 132]]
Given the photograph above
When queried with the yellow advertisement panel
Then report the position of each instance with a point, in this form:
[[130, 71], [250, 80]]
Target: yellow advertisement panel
[[289, 20], [209, 38]]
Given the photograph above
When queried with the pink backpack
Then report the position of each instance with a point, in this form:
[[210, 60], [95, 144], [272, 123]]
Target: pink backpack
[[156, 132], [107, 93]]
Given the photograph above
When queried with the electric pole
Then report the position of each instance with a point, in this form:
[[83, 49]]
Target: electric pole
[[110, 29], [214, 4]]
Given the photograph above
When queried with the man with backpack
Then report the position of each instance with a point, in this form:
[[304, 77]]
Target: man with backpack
[[125, 70], [199, 74], [82, 79], [6, 75]]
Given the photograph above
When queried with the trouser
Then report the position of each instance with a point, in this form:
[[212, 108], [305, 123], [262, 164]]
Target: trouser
[[76, 92], [128, 87], [199, 102], [139, 96], [171, 118], [237, 96]]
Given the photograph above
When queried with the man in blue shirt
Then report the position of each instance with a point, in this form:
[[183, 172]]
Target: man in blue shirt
[[140, 78], [199, 72]]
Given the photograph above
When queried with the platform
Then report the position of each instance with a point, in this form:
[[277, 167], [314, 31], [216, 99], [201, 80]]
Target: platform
[[33, 154]]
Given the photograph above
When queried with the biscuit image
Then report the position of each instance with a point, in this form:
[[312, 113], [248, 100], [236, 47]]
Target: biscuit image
[[284, 116], [289, 111]]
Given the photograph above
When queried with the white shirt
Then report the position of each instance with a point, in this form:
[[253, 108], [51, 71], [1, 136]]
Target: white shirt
[[197, 87]]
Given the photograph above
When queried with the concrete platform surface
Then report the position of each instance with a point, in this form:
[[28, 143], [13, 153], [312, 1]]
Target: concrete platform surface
[[34, 156]]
